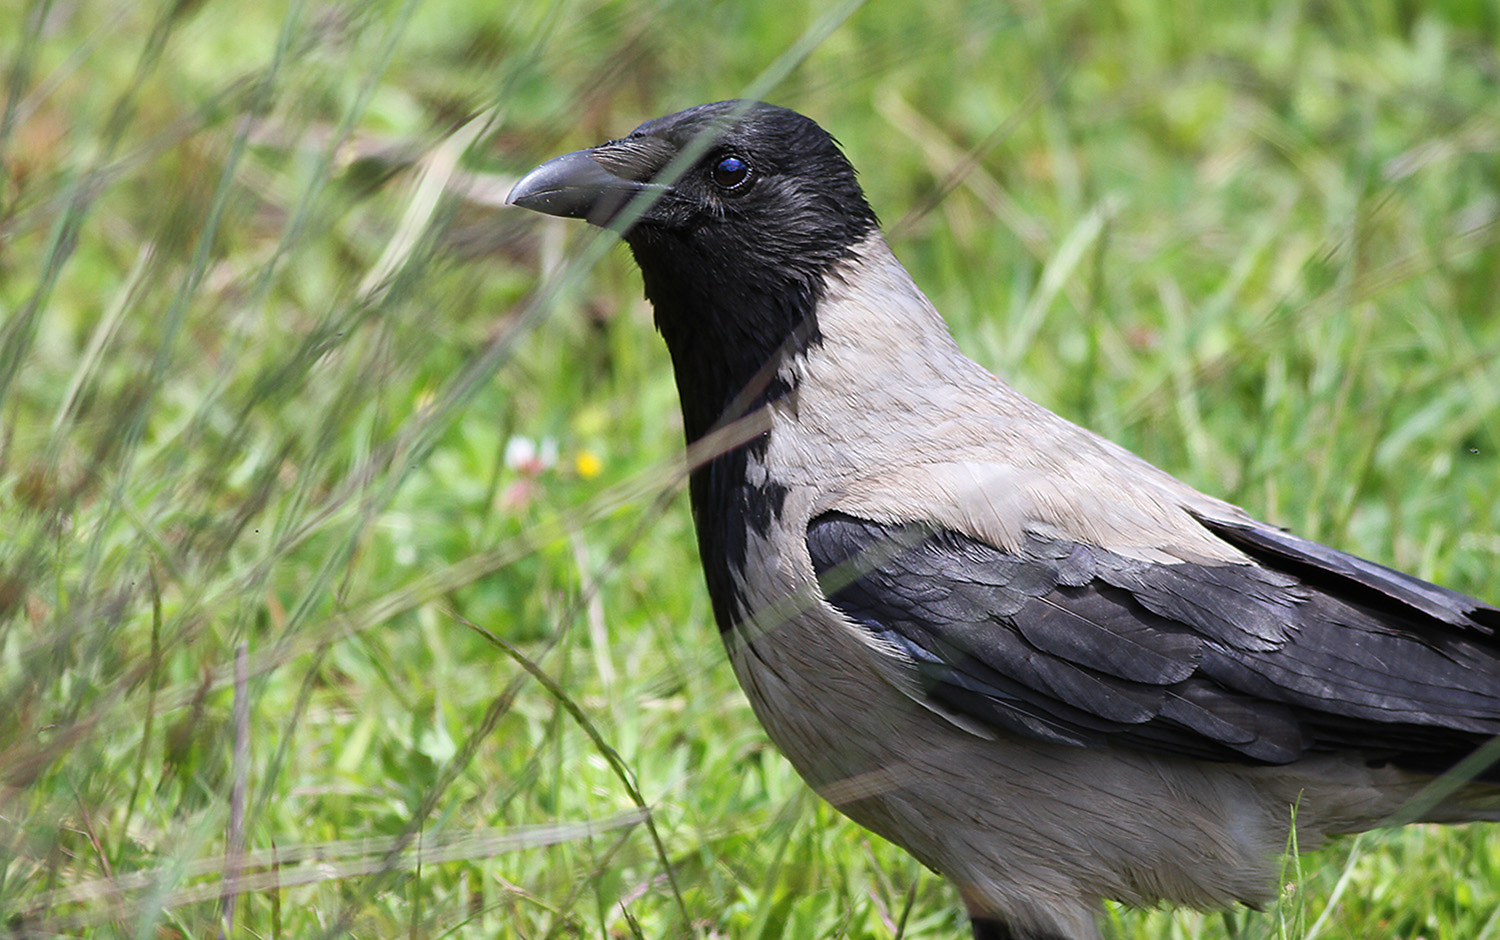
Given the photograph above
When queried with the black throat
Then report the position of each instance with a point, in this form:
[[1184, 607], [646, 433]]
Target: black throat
[[728, 332], [729, 336]]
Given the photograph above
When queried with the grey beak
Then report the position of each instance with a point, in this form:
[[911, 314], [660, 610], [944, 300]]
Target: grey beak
[[575, 186]]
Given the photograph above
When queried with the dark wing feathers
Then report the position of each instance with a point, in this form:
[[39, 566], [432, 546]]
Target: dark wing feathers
[[1355, 577], [1243, 606], [1309, 649], [1141, 647]]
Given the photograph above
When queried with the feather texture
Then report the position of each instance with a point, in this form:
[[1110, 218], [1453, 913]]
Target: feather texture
[[1076, 645]]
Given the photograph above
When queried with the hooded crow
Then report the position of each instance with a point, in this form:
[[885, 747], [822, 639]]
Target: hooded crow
[[1049, 670]]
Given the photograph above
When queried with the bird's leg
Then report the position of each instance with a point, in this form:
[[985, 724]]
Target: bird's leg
[[988, 928]]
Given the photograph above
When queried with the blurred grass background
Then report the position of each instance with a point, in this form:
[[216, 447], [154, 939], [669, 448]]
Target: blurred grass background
[[300, 429]]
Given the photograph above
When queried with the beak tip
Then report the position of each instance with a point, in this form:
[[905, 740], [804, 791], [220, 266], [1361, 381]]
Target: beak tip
[[533, 188], [517, 198]]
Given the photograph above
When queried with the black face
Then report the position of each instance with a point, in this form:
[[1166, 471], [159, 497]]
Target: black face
[[734, 245]]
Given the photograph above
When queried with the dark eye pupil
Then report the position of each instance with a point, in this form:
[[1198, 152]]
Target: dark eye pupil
[[731, 172]]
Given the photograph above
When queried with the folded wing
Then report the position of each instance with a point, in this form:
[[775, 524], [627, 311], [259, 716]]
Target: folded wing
[[1301, 649]]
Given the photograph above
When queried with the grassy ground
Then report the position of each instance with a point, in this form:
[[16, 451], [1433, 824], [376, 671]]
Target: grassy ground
[[341, 507]]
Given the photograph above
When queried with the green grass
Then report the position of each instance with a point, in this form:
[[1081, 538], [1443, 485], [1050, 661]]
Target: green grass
[[265, 338]]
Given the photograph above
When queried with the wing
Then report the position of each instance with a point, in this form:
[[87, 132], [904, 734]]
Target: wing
[[1306, 649]]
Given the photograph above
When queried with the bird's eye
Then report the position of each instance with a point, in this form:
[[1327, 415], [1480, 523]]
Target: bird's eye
[[731, 174]]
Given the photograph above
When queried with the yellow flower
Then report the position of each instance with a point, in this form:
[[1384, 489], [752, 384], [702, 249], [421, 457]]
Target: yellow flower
[[588, 464]]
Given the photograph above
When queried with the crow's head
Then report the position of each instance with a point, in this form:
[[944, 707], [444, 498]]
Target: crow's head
[[737, 212], [727, 188]]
